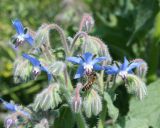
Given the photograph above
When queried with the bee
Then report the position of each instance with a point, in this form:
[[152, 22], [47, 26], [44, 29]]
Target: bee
[[91, 79]]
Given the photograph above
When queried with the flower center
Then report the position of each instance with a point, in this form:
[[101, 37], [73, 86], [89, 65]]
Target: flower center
[[20, 38], [36, 71], [88, 68], [19, 41]]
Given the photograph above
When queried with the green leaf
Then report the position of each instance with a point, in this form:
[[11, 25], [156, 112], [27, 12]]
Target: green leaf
[[156, 32], [136, 123], [81, 123], [66, 119], [114, 126], [147, 111], [146, 12], [112, 110]]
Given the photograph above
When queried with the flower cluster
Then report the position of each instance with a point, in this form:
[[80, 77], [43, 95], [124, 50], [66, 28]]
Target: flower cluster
[[95, 64]]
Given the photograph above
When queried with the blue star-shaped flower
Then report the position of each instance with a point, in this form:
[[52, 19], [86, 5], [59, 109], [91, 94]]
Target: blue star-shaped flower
[[37, 66], [14, 108], [21, 35], [87, 63], [123, 69], [9, 106]]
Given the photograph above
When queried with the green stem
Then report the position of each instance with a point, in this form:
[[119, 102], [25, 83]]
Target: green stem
[[67, 80], [63, 37], [101, 81], [102, 116], [80, 121], [79, 34]]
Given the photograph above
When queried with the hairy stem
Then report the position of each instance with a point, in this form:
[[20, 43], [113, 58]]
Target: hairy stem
[[80, 121], [79, 34], [67, 80], [102, 116], [63, 37]]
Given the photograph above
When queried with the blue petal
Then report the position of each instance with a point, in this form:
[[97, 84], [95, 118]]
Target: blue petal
[[42, 68], [112, 70], [132, 66], [33, 60], [29, 39], [1, 100], [18, 26], [98, 67], [87, 57], [74, 60], [80, 72], [125, 64], [26, 114], [10, 107], [49, 76], [98, 60]]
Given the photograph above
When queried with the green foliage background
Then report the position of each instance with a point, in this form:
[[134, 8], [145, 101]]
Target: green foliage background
[[129, 27]]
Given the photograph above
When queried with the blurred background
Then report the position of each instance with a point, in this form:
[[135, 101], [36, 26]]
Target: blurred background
[[129, 27]]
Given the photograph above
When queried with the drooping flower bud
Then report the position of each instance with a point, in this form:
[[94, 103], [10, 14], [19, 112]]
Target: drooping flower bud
[[87, 23], [49, 98], [142, 69], [92, 103], [136, 85], [76, 100], [22, 74]]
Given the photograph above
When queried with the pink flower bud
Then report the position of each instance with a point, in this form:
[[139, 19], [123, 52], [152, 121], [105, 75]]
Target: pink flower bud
[[87, 23], [76, 100]]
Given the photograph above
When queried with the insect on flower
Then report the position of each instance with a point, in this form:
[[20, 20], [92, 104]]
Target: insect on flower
[[37, 66], [91, 79], [123, 69], [22, 34], [87, 63]]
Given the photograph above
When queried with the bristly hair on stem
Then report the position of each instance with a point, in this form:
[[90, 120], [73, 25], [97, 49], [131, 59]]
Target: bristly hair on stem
[[62, 35]]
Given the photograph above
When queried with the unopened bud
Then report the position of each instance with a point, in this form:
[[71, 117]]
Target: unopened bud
[[136, 85], [87, 23], [22, 74], [49, 98], [92, 104], [76, 100], [142, 69]]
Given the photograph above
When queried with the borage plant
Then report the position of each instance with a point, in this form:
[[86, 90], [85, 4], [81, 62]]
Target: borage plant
[[82, 98]]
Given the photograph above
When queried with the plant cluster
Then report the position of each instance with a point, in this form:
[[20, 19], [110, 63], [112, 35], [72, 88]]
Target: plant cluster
[[71, 97]]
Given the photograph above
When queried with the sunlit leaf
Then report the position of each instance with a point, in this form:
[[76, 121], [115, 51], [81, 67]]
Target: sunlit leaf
[[112, 110], [146, 112]]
